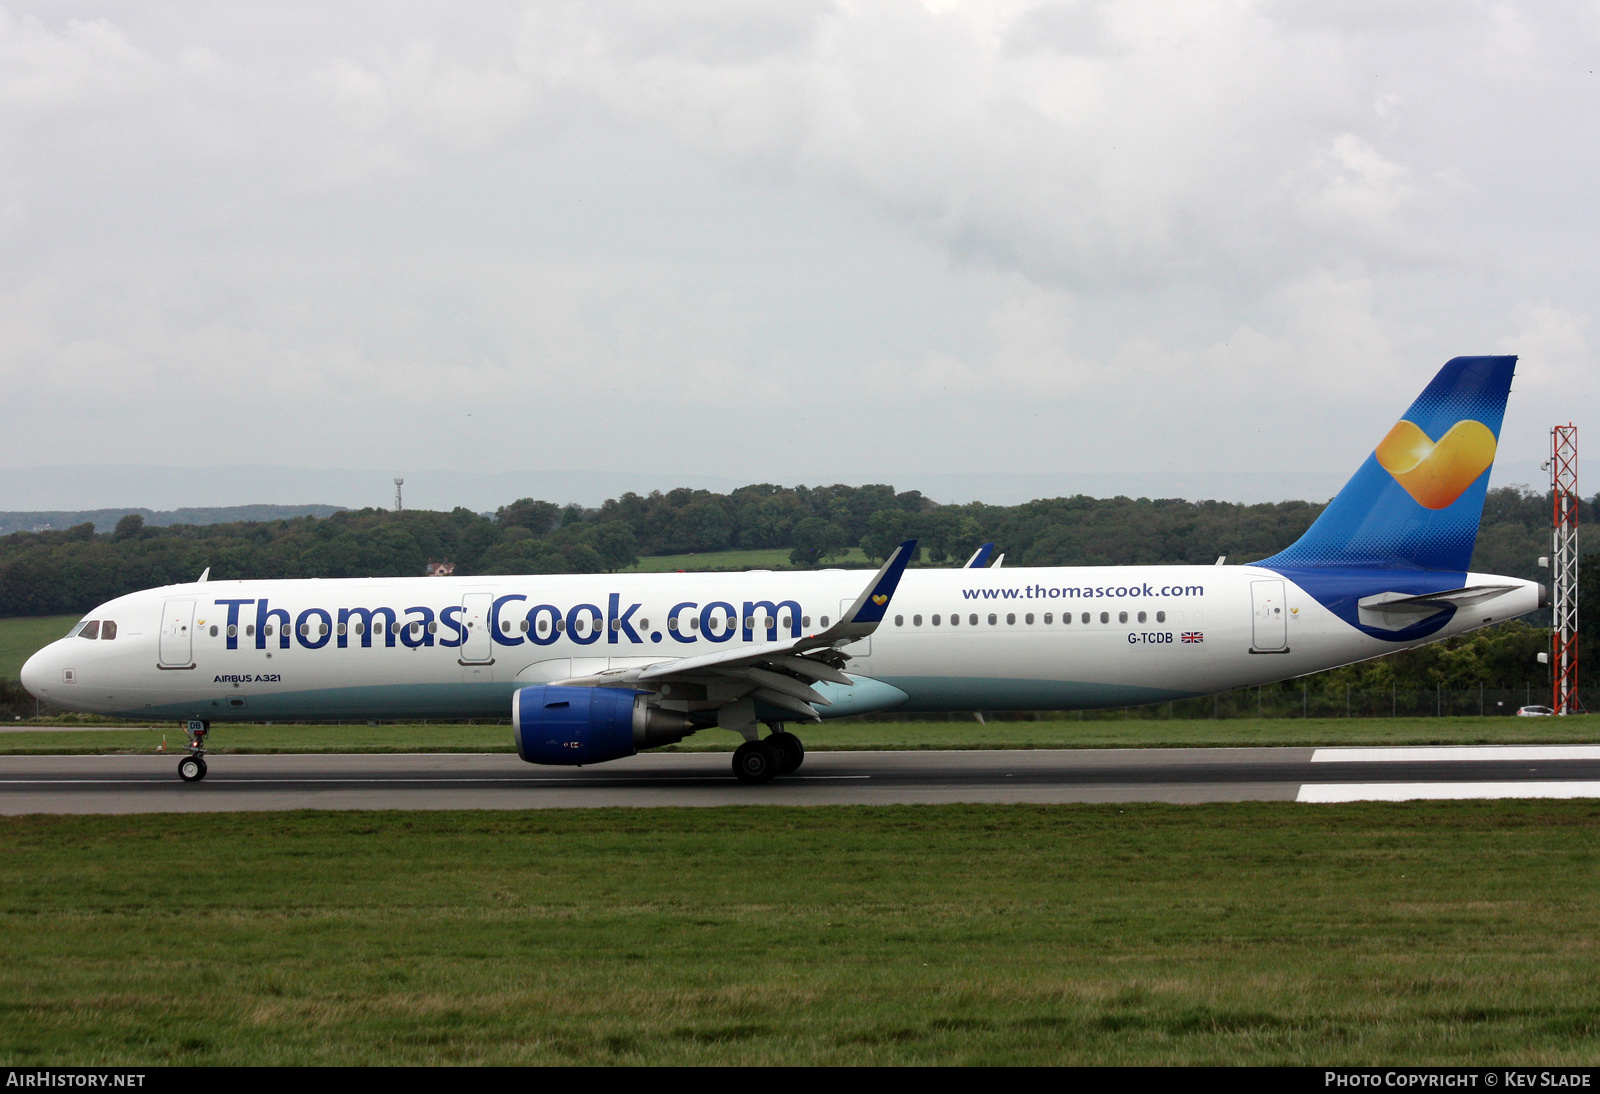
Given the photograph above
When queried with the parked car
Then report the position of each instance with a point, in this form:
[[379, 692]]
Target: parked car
[[1534, 712]]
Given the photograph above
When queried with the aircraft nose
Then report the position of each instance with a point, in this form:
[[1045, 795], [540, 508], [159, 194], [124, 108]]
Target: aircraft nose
[[36, 672]]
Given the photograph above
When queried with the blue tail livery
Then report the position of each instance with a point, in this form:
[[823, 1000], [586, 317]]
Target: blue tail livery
[[1413, 508], [1417, 500]]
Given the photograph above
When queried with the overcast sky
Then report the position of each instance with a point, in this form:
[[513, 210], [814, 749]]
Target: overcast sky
[[795, 242]]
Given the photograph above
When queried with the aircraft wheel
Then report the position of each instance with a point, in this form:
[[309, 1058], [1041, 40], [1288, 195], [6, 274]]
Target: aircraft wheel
[[755, 762], [191, 769], [791, 753]]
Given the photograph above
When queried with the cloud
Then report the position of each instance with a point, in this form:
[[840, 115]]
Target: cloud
[[934, 214], [1552, 346]]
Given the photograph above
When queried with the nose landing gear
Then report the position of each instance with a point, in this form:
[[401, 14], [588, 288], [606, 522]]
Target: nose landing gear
[[192, 768]]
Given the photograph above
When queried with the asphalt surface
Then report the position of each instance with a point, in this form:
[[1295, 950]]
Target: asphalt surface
[[149, 784]]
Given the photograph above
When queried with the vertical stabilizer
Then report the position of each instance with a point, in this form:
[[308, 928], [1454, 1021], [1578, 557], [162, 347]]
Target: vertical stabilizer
[[1417, 500]]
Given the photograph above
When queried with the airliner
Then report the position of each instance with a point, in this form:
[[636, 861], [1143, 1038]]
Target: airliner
[[593, 667]]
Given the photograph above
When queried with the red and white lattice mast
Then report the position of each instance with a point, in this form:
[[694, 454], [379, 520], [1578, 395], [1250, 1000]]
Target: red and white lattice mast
[[1564, 569]]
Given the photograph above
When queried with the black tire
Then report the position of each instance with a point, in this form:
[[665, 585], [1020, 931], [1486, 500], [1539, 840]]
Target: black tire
[[755, 762], [791, 753], [191, 769]]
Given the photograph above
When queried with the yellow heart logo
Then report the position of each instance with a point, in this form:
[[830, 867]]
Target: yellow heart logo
[[1436, 473], [880, 600]]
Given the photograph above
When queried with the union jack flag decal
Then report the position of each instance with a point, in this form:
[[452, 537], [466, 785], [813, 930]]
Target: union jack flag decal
[[1192, 636]]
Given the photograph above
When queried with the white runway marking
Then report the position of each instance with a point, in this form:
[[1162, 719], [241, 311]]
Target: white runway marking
[[1401, 792], [1456, 752]]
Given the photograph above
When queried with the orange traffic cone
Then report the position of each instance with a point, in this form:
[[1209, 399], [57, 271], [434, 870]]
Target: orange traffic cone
[[163, 747]]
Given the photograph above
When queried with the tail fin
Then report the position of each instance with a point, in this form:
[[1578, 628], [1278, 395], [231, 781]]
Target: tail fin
[[1417, 500]]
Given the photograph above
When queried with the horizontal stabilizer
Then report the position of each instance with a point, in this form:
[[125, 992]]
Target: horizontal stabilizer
[[1397, 611]]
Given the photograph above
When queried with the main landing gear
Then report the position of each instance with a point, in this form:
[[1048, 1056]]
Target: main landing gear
[[192, 768], [759, 761]]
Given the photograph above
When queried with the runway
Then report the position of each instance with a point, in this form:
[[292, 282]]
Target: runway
[[149, 784]]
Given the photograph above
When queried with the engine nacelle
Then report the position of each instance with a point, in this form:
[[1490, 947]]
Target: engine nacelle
[[575, 725]]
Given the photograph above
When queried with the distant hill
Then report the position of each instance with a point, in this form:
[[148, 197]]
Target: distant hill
[[106, 519]]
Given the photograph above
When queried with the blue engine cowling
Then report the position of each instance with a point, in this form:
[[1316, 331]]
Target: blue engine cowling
[[577, 725]]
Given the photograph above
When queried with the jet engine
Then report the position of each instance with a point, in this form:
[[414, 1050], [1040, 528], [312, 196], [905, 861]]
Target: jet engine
[[578, 725]]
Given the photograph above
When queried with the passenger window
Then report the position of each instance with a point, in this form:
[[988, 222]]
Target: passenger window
[[935, 621], [916, 621], [1161, 617], [1122, 617], [1105, 617], [505, 626], [433, 626], [1049, 617], [694, 623], [824, 621], [1011, 619], [544, 625], [91, 629], [1028, 619], [213, 630], [972, 620], [899, 620], [361, 628], [340, 629], [672, 625], [955, 620], [1086, 617], [233, 630], [644, 624], [1142, 617], [322, 628], [250, 630], [266, 632], [416, 629], [523, 626], [805, 621], [581, 626]]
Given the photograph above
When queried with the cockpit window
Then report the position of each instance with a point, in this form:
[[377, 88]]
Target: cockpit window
[[108, 630], [90, 629]]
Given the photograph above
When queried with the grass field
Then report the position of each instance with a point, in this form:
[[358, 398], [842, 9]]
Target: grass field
[[22, 636], [776, 558], [1248, 933], [1049, 733]]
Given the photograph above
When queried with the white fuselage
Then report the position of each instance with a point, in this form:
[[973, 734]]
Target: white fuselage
[[1025, 639]]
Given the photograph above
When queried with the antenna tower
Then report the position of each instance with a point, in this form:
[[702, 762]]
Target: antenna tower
[[398, 483], [1564, 569]]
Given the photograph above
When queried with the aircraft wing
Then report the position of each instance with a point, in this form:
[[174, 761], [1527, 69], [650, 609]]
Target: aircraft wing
[[779, 674]]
